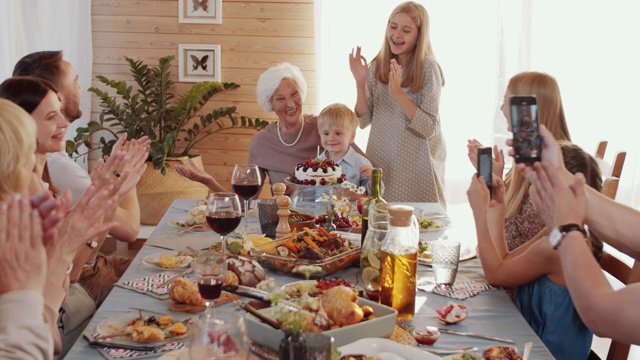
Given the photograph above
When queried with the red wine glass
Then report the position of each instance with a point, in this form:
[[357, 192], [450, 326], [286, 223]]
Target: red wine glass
[[209, 269], [246, 182], [223, 214]]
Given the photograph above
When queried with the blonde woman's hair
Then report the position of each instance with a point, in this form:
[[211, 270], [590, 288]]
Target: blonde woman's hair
[[550, 114], [17, 146], [339, 115], [414, 68]]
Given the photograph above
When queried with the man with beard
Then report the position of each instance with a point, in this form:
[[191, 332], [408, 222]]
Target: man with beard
[[101, 273]]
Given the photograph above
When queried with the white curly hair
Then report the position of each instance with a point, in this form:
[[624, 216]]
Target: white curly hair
[[269, 81]]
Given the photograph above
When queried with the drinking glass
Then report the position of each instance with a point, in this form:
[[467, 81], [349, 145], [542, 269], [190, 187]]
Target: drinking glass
[[222, 335], [223, 214], [209, 269], [246, 182], [444, 261]]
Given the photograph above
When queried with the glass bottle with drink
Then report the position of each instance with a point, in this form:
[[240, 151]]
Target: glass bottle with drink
[[370, 255], [399, 262], [376, 198]]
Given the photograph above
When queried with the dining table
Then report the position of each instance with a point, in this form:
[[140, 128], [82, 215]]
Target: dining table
[[490, 312]]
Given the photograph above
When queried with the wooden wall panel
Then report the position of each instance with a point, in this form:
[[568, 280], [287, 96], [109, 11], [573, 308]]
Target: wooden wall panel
[[254, 35]]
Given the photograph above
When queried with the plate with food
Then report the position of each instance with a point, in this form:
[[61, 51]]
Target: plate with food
[[188, 223], [437, 224], [424, 253], [135, 327], [168, 260], [381, 348]]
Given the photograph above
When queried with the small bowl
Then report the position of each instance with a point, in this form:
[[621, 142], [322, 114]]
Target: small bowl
[[300, 221], [428, 336]]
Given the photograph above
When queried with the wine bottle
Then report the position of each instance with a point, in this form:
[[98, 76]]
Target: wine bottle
[[373, 201]]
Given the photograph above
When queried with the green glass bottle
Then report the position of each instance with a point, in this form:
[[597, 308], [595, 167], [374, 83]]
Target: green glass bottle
[[375, 200]]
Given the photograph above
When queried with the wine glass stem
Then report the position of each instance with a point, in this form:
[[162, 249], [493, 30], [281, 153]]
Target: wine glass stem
[[245, 230], [210, 304], [224, 244]]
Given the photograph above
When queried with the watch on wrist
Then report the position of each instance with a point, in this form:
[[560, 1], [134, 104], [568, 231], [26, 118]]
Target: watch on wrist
[[558, 233]]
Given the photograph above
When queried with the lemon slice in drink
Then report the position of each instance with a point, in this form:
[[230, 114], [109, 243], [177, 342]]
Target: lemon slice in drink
[[374, 259], [371, 277]]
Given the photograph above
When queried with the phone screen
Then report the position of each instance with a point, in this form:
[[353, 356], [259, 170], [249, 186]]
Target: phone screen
[[524, 125], [484, 165]]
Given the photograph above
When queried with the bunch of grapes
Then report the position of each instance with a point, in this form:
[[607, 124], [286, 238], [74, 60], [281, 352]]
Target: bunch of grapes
[[341, 222]]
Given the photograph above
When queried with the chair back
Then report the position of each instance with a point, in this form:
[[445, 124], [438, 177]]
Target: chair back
[[618, 163], [610, 187], [627, 275], [601, 149]]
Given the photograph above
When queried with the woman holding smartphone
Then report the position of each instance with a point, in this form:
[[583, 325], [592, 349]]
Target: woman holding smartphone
[[399, 96], [522, 221], [541, 292]]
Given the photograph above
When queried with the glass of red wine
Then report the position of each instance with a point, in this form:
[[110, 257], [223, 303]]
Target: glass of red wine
[[209, 269], [223, 214], [246, 182]]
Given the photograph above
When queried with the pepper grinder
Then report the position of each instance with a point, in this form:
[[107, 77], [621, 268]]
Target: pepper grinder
[[283, 202]]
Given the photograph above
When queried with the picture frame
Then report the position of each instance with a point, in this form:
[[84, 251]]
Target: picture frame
[[197, 62], [200, 11]]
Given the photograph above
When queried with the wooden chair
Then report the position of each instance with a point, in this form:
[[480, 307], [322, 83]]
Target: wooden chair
[[610, 187], [600, 150], [618, 163], [627, 275]]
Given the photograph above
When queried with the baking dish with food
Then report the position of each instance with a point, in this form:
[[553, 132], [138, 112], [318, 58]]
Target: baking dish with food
[[269, 255]]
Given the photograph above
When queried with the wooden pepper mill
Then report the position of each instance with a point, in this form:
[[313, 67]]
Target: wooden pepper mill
[[283, 202]]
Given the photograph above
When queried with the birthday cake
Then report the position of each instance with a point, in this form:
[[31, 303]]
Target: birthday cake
[[317, 172]]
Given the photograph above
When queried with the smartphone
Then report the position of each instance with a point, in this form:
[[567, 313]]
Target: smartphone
[[485, 161], [524, 125]]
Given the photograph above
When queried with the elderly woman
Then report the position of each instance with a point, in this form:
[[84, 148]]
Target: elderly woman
[[283, 144]]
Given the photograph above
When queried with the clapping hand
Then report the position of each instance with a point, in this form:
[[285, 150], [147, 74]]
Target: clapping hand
[[192, 172], [395, 79], [358, 65], [498, 157]]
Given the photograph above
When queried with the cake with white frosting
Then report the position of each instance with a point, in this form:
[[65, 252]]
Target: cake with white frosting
[[318, 172]]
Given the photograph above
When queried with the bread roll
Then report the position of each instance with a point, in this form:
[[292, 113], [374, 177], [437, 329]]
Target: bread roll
[[184, 291], [249, 272]]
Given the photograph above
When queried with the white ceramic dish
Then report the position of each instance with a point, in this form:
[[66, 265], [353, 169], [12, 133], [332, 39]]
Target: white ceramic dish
[[444, 221], [359, 289], [376, 346], [381, 326], [152, 260], [183, 222], [112, 324], [466, 253]]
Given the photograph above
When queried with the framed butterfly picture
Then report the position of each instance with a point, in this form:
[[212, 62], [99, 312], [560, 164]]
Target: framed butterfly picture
[[200, 11], [199, 63]]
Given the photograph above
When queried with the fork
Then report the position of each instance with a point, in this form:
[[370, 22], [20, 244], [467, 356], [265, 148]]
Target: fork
[[449, 351]]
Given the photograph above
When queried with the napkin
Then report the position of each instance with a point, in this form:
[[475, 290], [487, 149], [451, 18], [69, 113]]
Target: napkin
[[461, 289], [149, 285], [114, 353]]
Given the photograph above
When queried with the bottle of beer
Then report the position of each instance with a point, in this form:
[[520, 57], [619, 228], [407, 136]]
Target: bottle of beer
[[399, 262], [374, 200]]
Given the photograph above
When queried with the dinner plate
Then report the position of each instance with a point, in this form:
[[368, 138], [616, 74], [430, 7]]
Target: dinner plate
[[444, 221], [183, 222], [152, 260], [377, 346], [466, 253], [117, 323]]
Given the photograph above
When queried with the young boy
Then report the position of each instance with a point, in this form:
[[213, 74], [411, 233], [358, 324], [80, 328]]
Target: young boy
[[337, 127]]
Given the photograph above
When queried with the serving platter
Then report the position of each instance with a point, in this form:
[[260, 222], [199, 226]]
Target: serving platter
[[378, 346], [381, 326]]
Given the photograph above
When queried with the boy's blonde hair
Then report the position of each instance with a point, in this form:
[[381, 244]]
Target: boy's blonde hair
[[17, 146], [340, 115]]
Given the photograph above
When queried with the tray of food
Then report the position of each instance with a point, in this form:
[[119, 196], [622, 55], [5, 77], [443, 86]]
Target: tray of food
[[316, 253]]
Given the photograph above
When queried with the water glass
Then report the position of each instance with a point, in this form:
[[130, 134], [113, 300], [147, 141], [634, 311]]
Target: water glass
[[444, 261], [268, 215], [222, 335], [317, 346]]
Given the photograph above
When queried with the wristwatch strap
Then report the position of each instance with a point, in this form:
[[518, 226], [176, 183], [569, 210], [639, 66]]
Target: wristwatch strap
[[567, 228]]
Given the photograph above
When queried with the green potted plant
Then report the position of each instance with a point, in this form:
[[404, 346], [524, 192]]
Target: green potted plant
[[175, 124]]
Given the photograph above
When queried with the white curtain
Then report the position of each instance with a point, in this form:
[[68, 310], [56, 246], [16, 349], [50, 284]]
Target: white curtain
[[590, 47], [27, 26]]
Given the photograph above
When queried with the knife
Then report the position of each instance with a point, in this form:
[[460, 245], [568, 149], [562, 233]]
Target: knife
[[447, 331], [188, 271]]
